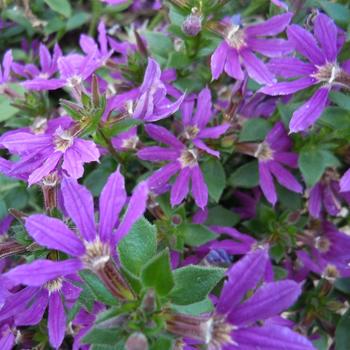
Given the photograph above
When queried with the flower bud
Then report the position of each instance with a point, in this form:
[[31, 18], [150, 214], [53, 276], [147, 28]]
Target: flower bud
[[192, 24], [136, 341]]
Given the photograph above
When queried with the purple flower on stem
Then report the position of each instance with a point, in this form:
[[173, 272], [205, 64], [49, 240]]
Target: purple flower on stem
[[42, 154], [183, 159], [240, 43], [5, 69], [49, 284], [322, 69], [345, 182], [94, 245], [271, 154]]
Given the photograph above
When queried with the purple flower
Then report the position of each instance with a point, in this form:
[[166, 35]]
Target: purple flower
[[41, 154], [48, 66], [182, 158], [94, 244], [127, 140], [322, 69], [152, 103], [237, 49], [5, 69], [47, 282], [73, 69], [247, 312], [328, 251], [271, 154], [100, 49], [325, 195]]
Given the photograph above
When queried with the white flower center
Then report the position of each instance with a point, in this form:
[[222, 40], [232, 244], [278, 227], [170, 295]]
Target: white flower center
[[235, 37], [188, 158], [264, 152], [63, 139], [97, 254]]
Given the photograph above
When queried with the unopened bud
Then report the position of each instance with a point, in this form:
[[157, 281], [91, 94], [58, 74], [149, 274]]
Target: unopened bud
[[149, 301], [136, 341], [192, 25], [49, 187]]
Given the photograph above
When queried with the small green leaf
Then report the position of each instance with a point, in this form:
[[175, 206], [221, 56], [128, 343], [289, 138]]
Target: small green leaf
[[342, 334], [246, 176], [196, 235], [77, 20], [163, 343], [254, 130], [341, 99], [340, 13], [61, 6], [97, 288], [215, 178], [194, 283], [101, 336], [204, 306], [157, 274], [138, 246], [7, 111]]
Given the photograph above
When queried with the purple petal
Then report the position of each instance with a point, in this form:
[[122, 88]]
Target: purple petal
[[287, 158], [290, 67], [199, 187], [45, 169], [102, 37], [305, 43], [161, 134], [256, 69], [201, 145], [35, 312], [7, 63], [42, 271], [54, 234], [152, 74], [87, 44], [180, 188], [79, 204], [45, 58], [326, 33], [136, 207], [7, 340], [233, 65], [272, 26], [165, 109], [88, 151], [218, 60], [278, 139], [345, 182], [269, 300], [288, 87], [203, 108], [21, 142], [248, 271], [271, 338], [315, 201], [284, 177], [214, 132], [162, 176], [72, 163], [112, 199], [310, 111], [43, 84], [158, 154], [56, 322], [266, 183], [270, 47]]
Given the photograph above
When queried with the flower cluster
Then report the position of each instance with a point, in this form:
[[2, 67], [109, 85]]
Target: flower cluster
[[227, 125]]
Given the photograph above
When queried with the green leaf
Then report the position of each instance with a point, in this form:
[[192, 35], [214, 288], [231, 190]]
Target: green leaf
[[215, 178], [159, 44], [178, 60], [101, 336], [138, 246], [254, 130], [194, 283], [7, 111], [204, 306], [341, 99], [246, 176], [61, 6], [196, 235], [219, 215], [342, 334], [77, 20], [340, 13], [313, 162], [97, 288], [163, 343], [157, 274]]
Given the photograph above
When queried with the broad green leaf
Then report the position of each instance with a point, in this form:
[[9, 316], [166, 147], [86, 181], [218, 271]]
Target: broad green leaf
[[101, 336], [342, 334], [204, 306], [157, 274], [196, 235], [219, 215], [341, 99], [77, 20], [215, 178], [340, 13], [97, 288], [138, 246], [254, 130], [194, 283], [61, 6], [246, 176], [7, 111], [163, 343]]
